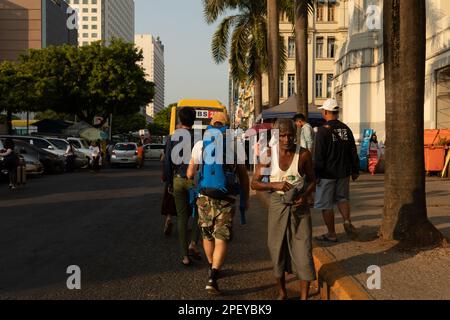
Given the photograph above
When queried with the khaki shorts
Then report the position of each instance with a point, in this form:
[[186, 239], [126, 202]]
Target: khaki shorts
[[215, 218]]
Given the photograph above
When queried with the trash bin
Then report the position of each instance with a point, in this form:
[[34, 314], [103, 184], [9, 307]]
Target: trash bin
[[435, 158]]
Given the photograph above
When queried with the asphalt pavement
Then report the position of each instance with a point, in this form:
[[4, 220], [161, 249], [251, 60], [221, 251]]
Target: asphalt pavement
[[109, 225]]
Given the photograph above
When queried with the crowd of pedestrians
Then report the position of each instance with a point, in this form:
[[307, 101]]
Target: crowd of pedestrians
[[306, 169]]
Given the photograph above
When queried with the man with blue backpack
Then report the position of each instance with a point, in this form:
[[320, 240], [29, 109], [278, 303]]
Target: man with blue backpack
[[217, 188]]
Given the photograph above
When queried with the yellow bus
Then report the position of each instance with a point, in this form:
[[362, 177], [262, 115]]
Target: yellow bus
[[205, 110]]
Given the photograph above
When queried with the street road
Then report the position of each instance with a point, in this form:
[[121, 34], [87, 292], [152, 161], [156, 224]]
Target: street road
[[109, 224]]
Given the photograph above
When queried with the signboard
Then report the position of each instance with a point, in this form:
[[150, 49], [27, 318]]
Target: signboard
[[205, 114]]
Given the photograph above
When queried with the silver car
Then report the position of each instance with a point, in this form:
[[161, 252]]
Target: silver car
[[125, 153]]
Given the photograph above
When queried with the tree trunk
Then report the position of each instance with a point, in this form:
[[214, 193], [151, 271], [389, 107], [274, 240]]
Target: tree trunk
[[9, 122], [274, 52], [405, 211], [301, 52], [258, 95]]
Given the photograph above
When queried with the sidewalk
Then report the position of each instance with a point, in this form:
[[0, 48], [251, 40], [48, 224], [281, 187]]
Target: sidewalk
[[404, 275]]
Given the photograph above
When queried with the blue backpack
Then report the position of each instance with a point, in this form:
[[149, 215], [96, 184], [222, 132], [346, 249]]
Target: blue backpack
[[217, 180]]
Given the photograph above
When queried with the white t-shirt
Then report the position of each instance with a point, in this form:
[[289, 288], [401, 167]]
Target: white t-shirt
[[197, 153]]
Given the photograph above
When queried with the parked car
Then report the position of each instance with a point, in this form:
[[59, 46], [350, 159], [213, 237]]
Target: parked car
[[39, 142], [31, 162], [125, 153], [154, 151], [81, 160], [52, 163], [82, 146]]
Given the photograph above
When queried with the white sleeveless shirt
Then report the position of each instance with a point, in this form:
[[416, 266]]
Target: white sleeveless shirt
[[291, 176]]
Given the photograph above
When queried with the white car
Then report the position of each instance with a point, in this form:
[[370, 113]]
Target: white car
[[154, 151], [125, 153], [82, 146]]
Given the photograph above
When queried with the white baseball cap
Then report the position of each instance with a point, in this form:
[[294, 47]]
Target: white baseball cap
[[330, 105]]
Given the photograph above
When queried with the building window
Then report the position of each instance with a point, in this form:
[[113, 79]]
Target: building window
[[319, 47], [329, 85], [331, 10], [331, 47], [291, 47], [291, 84], [282, 87], [319, 80], [320, 9]]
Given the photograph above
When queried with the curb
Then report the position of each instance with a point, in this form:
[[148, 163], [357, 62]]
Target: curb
[[334, 282]]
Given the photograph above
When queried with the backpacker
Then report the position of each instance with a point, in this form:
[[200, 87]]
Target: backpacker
[[217, 180]]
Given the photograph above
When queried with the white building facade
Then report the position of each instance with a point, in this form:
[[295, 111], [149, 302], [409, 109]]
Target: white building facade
[[104, 20], [359, 83], [153, 63]]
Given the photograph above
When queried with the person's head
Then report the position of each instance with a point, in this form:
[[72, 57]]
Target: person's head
[[287, 133], [330, 110], [300, 120], [9, 144], [374, 138], [187, 117], [219, 120]]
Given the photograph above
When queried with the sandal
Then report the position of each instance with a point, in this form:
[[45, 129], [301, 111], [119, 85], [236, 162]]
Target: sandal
[[325, 238]]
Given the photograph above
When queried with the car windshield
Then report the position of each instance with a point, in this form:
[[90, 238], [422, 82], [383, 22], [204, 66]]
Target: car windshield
[[84, 144], [125, 147], [157, 147], [60, 144]]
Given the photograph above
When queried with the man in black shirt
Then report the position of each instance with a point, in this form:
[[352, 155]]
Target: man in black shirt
[[336, 160]]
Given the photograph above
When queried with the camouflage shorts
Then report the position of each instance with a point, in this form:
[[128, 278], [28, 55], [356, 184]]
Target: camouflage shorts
[[215, 218]]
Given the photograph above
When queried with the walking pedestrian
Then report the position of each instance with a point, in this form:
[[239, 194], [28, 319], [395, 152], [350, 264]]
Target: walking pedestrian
[[374, 154], [96, 156], [168, 208], [70, 158], [305, 133], [336, 160], [292, 181], [217, 195], [11, 161], [176, 175]]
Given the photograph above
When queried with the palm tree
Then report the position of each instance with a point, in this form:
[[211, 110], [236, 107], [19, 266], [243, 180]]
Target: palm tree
[[302, 8], [247, 54], [274, 58], [405, 210], [297, 12]]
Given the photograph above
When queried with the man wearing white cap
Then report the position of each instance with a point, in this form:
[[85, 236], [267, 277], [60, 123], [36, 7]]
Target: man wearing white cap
[[336, 160]]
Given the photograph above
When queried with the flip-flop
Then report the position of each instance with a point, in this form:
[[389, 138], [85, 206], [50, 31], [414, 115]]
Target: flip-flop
[[324, 238]]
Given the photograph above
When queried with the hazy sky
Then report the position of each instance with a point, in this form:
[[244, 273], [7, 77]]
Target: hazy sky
[[190, 70]]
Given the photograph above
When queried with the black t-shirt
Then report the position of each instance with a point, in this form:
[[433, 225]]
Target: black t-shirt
[[335, 155]]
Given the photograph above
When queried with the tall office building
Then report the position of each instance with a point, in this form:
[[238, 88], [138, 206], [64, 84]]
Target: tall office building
[[32, 24], [104, 20], [153, 63]]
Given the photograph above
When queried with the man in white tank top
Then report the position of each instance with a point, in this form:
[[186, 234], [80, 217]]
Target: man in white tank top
[[292, 180]]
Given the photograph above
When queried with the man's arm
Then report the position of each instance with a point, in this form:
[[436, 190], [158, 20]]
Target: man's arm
[[258, 185], [244, 181], [167, 167], [320, 151], [305, 165], [309, 138], [354, 157], [192, 170]]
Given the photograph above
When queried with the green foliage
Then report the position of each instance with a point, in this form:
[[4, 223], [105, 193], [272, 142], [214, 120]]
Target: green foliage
[[161, 122], [126, 124], [242, 38], [89, 81], [52, 115]]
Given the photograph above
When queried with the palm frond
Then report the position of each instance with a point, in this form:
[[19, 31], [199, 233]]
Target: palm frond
[[212, 9], [221, 39]]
